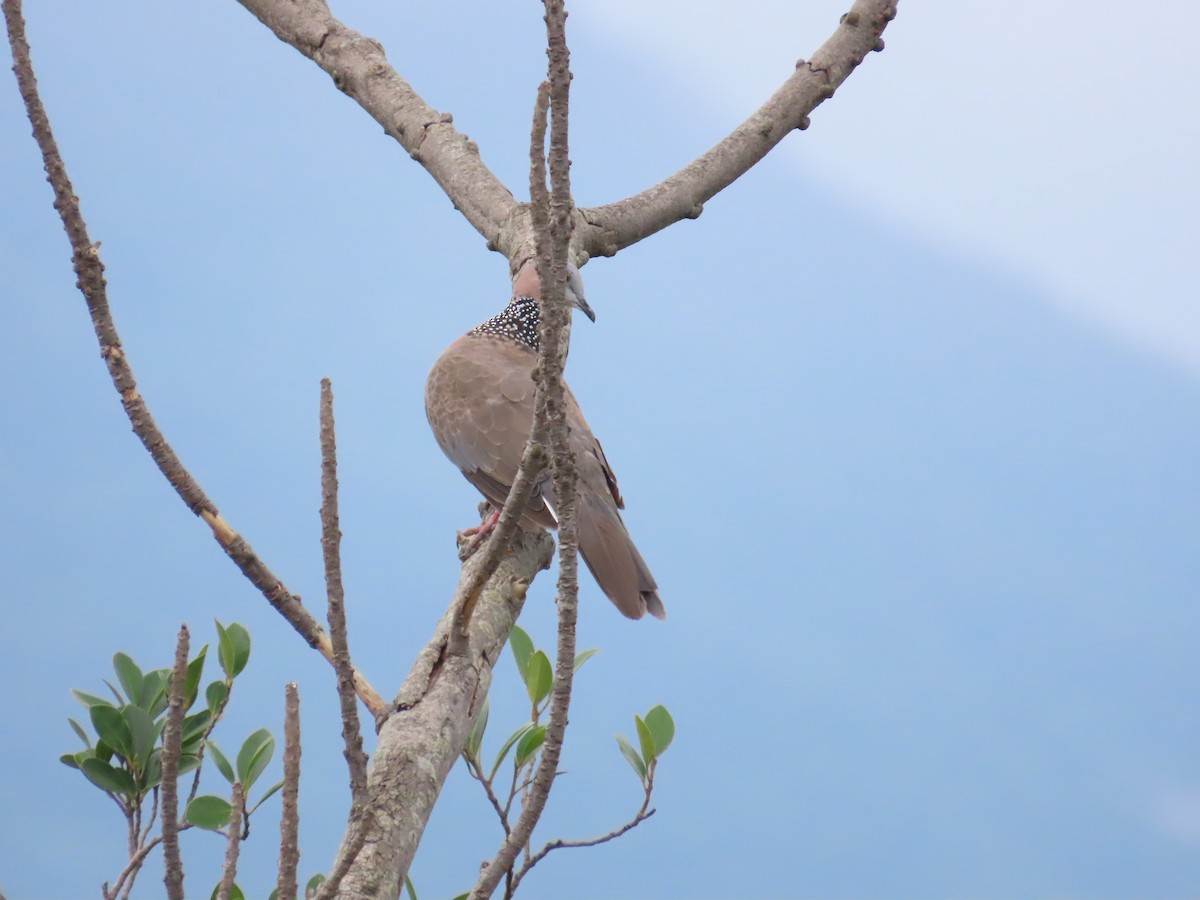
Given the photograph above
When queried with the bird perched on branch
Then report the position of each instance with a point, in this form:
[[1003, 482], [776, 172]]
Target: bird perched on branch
[[479, 401]]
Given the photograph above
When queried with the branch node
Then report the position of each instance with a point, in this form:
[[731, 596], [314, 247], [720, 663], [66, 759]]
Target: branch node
[[804, 123], [878, 48], [850, 18]]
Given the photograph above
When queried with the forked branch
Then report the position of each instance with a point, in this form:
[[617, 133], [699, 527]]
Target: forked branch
[[358, 67]]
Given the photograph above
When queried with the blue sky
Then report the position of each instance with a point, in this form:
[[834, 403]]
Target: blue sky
[[906, 423]]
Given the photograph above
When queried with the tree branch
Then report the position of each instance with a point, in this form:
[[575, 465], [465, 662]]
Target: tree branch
[[289, 820], [233, 843], [639, 817], [419, 744], [172, 743], [90, 272], [359, 68], [604, 230], [331, 537], [552, 227]]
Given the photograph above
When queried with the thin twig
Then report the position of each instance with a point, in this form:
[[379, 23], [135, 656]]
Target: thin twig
[[153, 818], [90, 272], [552, 227], [134, 864], [172, 744], [233, 843], [476, 772], [641, 816], [331, 540], [289, 821]]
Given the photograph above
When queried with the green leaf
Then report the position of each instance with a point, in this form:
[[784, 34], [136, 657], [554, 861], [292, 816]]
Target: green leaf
[[645, 738], [583, 656], [233, 648], [191, 683], [530, 744], [208, 812], [78, 729], [271, 792], [85, 754], [408, 886], [153, 696], [103, 751], [522, 648], [218, 757], [508, 745], [152, 771], [108, 778], [662, 728], [539, 677], [112, 728], [215, 694], [475, 738], [195, 725], [68, 759], [256, 752], [129, 675], [143, 734], [314, 885], [235, 892], [632, 756], [115, 692], [89, 700], [188, 762]]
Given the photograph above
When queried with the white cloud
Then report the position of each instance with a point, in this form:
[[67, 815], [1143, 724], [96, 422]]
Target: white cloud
[[1056, 138]]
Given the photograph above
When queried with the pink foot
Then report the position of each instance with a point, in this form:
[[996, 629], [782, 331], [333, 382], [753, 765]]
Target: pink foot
[[480, 533]]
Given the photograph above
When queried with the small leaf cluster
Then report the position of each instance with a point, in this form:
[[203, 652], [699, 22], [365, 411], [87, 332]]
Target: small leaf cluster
[[125, 759], [537, 674], [655, 732]]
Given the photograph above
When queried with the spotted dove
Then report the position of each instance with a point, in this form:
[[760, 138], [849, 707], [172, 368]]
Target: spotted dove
[[479, 400]]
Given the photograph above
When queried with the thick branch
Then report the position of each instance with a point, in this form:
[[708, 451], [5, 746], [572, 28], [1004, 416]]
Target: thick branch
[[604, 230], [421, 741], [360, 69], [90, 272]]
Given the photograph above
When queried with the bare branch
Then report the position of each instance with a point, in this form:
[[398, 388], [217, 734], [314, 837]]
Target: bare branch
[[90, 271], [134, 864], [172, 744], [289, 820], [552, 224], [604, 230], [331, 537], [358, 66], [234, 843], [639, 817]]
